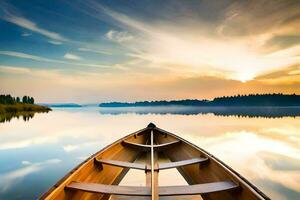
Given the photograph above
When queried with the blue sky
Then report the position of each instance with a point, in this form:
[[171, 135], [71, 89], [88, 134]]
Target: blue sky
[[90, 51]]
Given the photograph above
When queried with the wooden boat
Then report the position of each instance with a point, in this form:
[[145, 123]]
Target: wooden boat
[[98, 177]]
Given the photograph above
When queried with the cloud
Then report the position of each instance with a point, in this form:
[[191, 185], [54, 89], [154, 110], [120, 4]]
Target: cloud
[[286, 76], [69, 148], [42, 59], [278, 42], [27, 24], [54, 42], [118, 36], [13, 177], [72, 56], [26, 162], [25, 56], [265, 18], [94, 51], [25, 143], [26, 34], [232, 46], [11, 14], [14, 70], [73, 147]]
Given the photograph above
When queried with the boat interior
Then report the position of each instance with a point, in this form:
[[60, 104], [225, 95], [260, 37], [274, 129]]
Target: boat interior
[[153, 164]]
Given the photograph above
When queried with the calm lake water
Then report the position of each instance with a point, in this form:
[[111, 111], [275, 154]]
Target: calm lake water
[[34, 154]]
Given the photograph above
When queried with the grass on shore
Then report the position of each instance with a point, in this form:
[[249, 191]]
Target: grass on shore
[[22, 107]]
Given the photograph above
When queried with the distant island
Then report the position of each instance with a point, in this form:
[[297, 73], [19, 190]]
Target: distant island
[[15, 106], [274, 100]]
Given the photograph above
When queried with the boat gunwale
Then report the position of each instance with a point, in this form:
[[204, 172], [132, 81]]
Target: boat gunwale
[[235, 174], [90, 158]]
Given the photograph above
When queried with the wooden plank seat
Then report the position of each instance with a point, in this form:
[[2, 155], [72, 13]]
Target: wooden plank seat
[[144, 147], [161, 166], [110, 189], [205, 188]]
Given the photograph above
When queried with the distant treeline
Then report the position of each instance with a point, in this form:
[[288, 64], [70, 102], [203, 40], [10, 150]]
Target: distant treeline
[[8, 99], [237, 100], [15, 106]]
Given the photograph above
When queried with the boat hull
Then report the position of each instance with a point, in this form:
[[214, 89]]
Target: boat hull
[[98, 176]]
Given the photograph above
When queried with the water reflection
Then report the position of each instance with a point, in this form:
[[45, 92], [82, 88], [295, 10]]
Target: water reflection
[[8, 180], [264, 150], [26, 116], [266, 112]]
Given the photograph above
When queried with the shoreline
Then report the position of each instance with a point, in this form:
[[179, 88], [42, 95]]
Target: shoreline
[[22, 107]]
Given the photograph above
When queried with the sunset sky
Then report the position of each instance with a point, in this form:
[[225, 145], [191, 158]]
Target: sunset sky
[[110, 50]]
